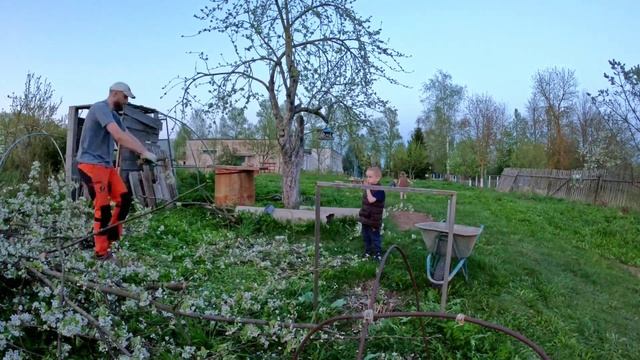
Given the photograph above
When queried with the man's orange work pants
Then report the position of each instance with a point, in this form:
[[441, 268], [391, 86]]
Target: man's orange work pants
[[105, 185]]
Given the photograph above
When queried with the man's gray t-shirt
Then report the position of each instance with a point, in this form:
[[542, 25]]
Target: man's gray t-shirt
[[96, 143]]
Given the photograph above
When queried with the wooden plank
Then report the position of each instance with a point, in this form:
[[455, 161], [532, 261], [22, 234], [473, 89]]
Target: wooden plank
[[168, 181], [562, 184], [157, 191], [72, 133], [147, 183], [136, 189], [171, 184], [138, 116], [162, 184], [506, 183], [157, 186]]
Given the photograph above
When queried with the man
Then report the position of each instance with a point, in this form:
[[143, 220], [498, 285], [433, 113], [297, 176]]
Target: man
[[101, 127]]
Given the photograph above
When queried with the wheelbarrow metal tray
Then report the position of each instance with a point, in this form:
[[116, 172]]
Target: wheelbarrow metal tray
[[464, 238]]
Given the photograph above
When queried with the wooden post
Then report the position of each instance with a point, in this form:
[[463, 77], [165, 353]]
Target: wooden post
[[147, 182], [316, 261], [451, 218], [595, 197], [72, 134]]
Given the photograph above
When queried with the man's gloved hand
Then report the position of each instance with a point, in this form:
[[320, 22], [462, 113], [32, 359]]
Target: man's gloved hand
[[149, 156]]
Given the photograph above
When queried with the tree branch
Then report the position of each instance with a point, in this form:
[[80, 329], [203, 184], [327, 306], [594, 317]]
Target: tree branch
[[315, 111], [106, 333], [167, 308], [309, 9]]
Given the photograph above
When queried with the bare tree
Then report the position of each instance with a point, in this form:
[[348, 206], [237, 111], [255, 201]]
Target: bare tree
[[36, 100], [302, 54], [485, 120], [32, 110], [557, 90], [537, 127]]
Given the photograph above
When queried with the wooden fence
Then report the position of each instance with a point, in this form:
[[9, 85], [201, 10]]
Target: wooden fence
[[603, 187]]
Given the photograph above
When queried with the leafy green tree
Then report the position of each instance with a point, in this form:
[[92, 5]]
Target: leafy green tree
[[417, 160], [519, 127], [529, 155], [463, 159], [391, 137], [229, 157], [399, 159], [354, 160], [235, 125], [302, 54], [265, 147], [442, 100], [200, 124], [505, 148], [346, 126], [375, 135], [180, 143]]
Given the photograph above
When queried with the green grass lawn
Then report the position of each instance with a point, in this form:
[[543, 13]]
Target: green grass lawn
[[554, 270]]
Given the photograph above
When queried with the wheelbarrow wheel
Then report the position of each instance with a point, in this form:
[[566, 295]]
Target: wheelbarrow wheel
[[438, 272]]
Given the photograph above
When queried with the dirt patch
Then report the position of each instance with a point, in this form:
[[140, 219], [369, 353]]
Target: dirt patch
[[405, 220], [632, 269]]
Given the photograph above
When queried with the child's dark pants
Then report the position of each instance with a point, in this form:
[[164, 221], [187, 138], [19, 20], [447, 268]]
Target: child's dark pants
[[372, 240]]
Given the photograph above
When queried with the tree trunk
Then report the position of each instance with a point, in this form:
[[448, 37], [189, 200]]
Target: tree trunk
[[292, 151], [447, 152], [291, 167]]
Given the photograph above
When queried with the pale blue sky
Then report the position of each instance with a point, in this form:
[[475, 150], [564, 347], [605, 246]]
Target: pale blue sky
[[488, 46]]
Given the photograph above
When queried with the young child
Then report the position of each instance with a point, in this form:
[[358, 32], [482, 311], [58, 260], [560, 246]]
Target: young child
[[371, 214]]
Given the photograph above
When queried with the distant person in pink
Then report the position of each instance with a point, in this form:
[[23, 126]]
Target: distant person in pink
[[403, 181]]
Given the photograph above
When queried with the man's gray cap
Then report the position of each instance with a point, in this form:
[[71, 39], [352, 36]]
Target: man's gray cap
[[120, 86]]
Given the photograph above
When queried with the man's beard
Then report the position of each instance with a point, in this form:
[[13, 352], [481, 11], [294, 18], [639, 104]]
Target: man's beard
[[117, 106]]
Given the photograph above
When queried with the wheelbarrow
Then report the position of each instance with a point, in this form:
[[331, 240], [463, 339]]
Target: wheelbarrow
[[435, 235]]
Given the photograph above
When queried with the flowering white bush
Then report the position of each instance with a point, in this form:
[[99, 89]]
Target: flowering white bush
[[33, 224]]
